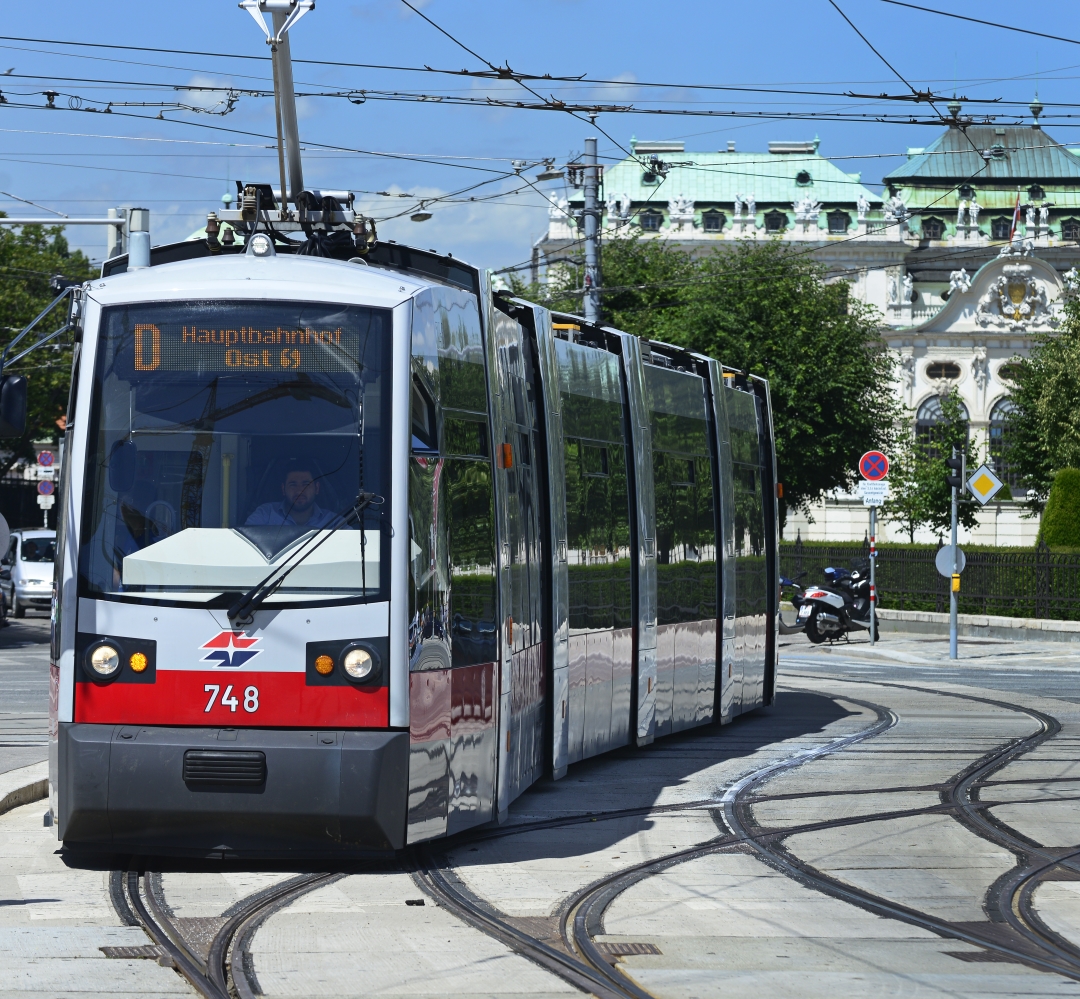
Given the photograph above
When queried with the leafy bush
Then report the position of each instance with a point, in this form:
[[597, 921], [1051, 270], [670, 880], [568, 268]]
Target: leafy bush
[[1061, 518]]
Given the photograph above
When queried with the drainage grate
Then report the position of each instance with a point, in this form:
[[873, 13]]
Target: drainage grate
[[981, 956], [626, 949], [146, 950], [224, 767]]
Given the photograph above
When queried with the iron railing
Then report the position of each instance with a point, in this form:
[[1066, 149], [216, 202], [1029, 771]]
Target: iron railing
[[1035, 583]]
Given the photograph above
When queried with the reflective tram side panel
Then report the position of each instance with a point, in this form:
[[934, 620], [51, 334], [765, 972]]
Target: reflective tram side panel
[[642, 503], [453, 631], [522, 688], [729, 690], [551, 470], [686, 549], [751, 552], [770, 493], [599, 548], [723, 518]]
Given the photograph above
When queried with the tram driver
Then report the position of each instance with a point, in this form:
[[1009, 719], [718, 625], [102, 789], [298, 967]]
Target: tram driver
[[299, 487]]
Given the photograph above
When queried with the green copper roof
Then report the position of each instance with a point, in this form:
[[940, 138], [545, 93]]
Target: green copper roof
[[1015, 155], [718, 177]]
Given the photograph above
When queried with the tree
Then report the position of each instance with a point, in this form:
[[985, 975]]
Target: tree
[[29, 257], [1043, 433], [908, 476], [766, 308]]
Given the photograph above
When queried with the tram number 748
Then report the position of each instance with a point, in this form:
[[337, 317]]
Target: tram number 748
[[229, 699]]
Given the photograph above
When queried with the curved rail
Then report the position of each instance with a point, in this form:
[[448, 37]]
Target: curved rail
[[211, 978]]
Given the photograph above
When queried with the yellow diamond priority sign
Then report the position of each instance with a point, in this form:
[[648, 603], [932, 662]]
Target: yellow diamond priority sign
[[984, 484]]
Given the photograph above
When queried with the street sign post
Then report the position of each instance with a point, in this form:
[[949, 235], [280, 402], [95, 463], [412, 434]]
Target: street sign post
[[944, 559], [984, 485], [873, 493], [873, 466], [874, 490]]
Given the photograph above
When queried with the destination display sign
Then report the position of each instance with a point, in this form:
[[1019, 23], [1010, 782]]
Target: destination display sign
[[166, 346]]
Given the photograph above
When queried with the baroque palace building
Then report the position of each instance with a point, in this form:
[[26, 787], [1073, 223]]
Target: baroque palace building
[[931, 250]]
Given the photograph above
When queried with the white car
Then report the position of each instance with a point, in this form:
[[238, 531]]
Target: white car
[[26, 571]]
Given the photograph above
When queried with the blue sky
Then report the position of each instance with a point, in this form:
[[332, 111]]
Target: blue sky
[[81, 163]]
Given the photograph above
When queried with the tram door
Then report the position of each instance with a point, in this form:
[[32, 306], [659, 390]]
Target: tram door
[[518, 511], [453, 599], [687, 554], [751, 474], [600, 557]]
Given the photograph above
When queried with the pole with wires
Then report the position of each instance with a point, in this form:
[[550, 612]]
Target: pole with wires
[[592, 234]]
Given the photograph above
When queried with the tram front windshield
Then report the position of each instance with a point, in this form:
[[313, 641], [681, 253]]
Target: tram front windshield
[[225, 437]]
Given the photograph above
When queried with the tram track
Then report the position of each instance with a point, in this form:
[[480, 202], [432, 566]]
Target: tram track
[[573, 952], [1034, 944], [222, 974]]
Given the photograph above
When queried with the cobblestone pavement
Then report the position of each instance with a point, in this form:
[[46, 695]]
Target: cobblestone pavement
[[869, 823]]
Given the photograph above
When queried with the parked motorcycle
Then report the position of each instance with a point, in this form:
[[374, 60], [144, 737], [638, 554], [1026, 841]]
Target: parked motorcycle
[[835, 608], [795, 597]]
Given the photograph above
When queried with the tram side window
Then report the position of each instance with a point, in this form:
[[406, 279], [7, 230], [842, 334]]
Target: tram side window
[[685, 538], [471, 516], [598, 535], [686, 552], [751, 595]]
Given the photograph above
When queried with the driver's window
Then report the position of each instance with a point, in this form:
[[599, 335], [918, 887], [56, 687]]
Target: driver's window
[[9, 558]]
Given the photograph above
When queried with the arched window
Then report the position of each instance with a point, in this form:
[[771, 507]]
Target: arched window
[[999, 439], [928, 417], [839, 222], [933, 228], [650, 220], [1000, 227], [775, 221], [1070, 229], [713, 221], [967, 191], [1036, 193], [802, 178]]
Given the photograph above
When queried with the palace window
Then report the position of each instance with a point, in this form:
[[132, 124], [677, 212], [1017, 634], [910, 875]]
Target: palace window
[[943, 369], [999, 441], [999, 227], [927, 419], [775, 221], [802, 178], [713, 221], [839, 222], [966, 191], [1070, 229], [933, 228], [1036, 193], [1008, 372], [651, 220]]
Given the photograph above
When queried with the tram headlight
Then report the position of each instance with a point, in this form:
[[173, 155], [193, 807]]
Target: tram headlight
[[104, 661], [360, 664]]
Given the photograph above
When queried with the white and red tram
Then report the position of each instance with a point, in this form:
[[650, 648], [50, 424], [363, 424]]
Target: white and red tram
[[351, 552]]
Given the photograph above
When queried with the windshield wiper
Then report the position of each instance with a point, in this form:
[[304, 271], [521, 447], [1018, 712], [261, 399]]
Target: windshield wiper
[[243, 610]]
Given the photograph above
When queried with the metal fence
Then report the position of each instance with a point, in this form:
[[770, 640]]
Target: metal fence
[[1036, 583]]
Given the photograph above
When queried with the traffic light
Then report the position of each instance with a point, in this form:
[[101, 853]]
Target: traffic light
[[959, 465]]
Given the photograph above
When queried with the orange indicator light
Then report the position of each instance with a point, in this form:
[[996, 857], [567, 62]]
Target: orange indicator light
[[324, 665], [138, 661]]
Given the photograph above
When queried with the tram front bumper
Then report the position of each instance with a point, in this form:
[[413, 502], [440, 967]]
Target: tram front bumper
[[197, 791]]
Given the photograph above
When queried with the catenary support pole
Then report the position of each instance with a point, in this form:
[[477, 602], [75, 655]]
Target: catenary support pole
[[953, 596], [873, 574], [592, 230]]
